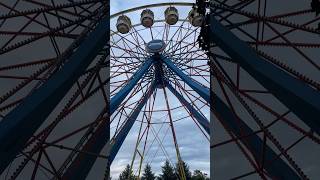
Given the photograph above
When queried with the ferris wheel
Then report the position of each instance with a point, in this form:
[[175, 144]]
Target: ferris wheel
[[161, 72], [159, 41]]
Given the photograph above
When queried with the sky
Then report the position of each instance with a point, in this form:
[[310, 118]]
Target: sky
[[193, 145]]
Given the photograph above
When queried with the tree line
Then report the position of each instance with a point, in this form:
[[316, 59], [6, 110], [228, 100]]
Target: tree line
[[168, 172]]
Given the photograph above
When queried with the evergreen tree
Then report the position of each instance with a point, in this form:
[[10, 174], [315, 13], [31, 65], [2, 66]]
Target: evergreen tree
[[126, 174], [148, 174], [168, 172], [198, 175], [185, 168]]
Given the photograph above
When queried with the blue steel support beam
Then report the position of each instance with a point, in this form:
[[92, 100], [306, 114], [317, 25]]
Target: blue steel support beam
[[278, 169], [82, 164], [122, 94], [116, 143], [21, 123], [300, 98], [201, 90], [203, 121]]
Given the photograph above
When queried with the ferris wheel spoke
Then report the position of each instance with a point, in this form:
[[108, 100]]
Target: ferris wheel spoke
[[268, 109], [37, 164], [260, 124], [33, 19], [279, 116], [179, 159], [291, 30], [276, 21], [176, 46], [193, 112], [134, 54], [136, 43], [183, 59], [55, 7], [24, 83], [169, 42], [116, 100], [256, 151], [184, 53], [239, 6], [35, 38], [294, 47], [123, 132], [139, 88], [290, 70], [183, 49], [283, 75], [10, 12], [240, 29], [99, 138], [188, 94], [20, 30]]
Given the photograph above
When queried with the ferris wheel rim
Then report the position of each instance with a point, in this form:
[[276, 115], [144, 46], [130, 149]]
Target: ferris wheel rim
[[150, 6]]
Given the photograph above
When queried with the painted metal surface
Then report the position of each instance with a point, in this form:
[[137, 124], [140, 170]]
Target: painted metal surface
[[201, 90], [277, 168], [299, 97], [116, 143], [21, 123], [121, 95], [82, 164], [203, 121]]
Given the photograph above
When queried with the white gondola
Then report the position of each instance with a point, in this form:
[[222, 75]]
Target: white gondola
[[124, 24], [171, 15], [147, 18], [195, 18]]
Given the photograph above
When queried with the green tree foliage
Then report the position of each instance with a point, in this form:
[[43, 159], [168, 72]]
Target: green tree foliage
[[198, 175], [168, 172], [148, 174], [185, 168], [126, 174]]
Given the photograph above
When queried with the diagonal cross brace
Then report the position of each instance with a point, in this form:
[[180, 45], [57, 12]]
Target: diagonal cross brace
[[116, 143], [203, 121], [22, 122], [277, 168], [300, 98], [82, 163]]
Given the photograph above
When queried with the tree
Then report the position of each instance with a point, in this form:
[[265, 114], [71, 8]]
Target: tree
[[198, 175], [126, 174], [185, 168], [148, 174], [168, 172]]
